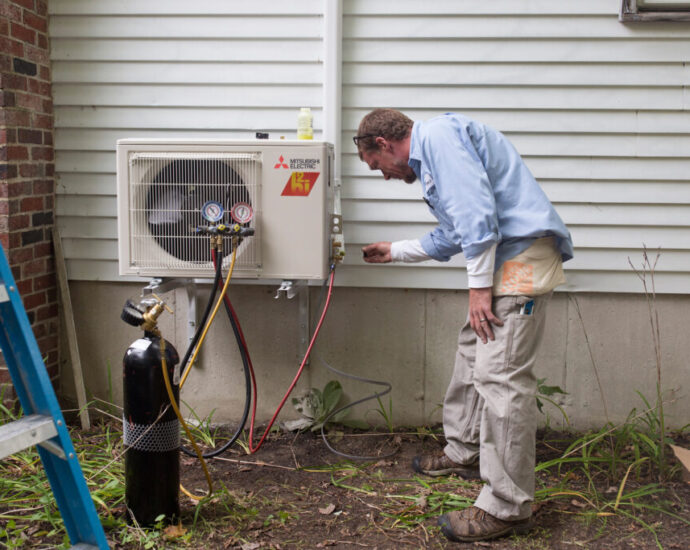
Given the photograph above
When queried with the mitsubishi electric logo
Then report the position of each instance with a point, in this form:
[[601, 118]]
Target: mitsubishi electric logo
[[304, 164], [281, 163], [303, 175], [297, 164]]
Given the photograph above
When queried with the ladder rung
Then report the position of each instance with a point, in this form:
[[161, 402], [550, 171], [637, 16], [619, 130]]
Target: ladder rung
[[24, 433]]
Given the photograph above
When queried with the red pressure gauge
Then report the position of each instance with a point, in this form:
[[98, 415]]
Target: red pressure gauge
[[241, 212]]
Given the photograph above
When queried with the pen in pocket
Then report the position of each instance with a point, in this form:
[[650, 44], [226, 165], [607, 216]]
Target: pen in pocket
[[527, 308]]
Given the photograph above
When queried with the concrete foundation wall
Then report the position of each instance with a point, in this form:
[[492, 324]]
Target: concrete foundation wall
[[406, 337]]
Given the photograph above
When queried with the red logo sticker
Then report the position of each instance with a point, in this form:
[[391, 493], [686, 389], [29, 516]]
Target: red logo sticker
[[281, 163], [300, 184]]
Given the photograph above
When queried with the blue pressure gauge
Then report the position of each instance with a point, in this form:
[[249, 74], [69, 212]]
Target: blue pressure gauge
[[212, 211]]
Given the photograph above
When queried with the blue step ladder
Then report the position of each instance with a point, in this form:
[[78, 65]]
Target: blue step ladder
[[43, 424]]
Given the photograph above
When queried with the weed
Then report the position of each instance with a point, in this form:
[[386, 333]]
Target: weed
[[28, 516], [613, 455], [427, 499], [545, 392], [425, 431], [386, 414], [317, 407], [243, 442], [646, 276], [203, 430], [612, 449], [537, 539]]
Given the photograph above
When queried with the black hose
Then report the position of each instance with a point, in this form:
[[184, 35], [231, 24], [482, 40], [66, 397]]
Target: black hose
[[202, 324], [247, 377], [375, 395]]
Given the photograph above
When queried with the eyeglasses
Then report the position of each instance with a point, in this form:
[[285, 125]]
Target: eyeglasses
[[357, 139]]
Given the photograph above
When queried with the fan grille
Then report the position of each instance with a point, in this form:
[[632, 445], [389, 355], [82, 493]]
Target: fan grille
[[168, 191]]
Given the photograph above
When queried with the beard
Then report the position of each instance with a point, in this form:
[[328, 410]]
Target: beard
[[410, 177], [407, 174]]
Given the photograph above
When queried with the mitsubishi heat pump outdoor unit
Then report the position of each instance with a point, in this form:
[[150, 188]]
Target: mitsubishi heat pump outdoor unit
[[282, 189]]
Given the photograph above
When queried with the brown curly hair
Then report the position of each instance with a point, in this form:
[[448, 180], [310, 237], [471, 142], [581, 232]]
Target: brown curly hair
[[386, 123]]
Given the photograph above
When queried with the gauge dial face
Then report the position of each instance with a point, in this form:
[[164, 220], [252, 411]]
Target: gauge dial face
[[212, 211], [242, 212]]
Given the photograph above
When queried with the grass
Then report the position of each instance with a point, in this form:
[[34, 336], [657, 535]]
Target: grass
[[617, 472], [29, 514], [613, 457]]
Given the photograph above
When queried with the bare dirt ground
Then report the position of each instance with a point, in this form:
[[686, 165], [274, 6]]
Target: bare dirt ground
[[295, 493]]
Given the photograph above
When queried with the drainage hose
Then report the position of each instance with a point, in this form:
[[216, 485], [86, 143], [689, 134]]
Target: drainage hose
[[376, 395]]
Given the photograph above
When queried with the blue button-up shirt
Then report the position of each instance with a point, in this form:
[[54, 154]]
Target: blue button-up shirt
[[480, 190]]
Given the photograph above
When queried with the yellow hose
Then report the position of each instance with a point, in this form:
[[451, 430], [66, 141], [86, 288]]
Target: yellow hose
[[213, 315], [173, 402], [169, 388]]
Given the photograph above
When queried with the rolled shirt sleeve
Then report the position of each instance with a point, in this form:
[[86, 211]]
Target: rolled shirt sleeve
[[480, 269], [408, 251]]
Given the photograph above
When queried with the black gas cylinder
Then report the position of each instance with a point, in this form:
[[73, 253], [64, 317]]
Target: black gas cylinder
[[151, 433]]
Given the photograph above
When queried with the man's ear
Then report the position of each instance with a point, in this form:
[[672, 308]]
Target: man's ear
[[382, 143]]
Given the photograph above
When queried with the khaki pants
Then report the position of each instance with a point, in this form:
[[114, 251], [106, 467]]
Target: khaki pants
[[490, 409]]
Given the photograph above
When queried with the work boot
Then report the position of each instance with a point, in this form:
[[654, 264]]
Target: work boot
[[440, 465], [474, 524]]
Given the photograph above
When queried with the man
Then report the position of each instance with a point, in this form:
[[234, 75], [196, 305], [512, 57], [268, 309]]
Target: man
[[488, 206]]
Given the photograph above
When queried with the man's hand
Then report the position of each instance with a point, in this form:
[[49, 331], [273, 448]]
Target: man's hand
[[480, 313], [377, 253]]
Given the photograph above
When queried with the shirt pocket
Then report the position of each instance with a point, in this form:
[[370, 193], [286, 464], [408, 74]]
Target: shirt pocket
[[430, 194], [428, 181]]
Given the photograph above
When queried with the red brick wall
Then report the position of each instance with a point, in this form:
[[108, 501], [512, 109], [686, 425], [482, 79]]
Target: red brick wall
[[27, 183]]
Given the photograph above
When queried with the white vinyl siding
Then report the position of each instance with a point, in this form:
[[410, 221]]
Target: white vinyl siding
[[167, 68], [599, 109]]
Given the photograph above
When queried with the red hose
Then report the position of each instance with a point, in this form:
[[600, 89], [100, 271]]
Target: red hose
[[253, 449]]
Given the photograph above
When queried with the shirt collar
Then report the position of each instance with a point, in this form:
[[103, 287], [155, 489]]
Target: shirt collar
[[415, 156]]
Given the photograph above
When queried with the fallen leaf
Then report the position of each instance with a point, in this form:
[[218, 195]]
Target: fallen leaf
[[251, 545], [683, 455], [327, 509], [578, 504], [174, 531]]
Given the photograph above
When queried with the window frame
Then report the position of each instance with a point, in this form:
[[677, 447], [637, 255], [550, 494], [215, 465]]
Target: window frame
[[630, 12]]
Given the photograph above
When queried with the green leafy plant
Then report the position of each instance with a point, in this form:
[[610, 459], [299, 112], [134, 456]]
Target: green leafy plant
[[545, 392], [316, 408]]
